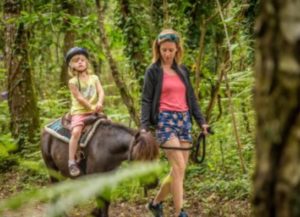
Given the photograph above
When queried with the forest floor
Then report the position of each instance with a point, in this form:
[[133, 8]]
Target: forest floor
[[210, 205]]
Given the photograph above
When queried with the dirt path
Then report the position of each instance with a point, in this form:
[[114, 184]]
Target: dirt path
[[196, 205], [137, 209], [122, 209]]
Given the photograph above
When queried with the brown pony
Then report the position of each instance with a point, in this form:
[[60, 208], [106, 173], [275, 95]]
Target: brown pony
[[108, 147]]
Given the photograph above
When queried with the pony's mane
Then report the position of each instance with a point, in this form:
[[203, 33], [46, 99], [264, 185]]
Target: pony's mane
[[144, 147], [118, 126]]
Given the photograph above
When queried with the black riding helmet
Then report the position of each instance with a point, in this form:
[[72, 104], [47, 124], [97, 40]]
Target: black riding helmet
[[75, 51]]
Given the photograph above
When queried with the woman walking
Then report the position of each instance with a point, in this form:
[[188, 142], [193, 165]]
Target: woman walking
[[168, 104]]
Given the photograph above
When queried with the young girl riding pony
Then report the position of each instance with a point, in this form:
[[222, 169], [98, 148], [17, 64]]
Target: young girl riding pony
[[87, 97]]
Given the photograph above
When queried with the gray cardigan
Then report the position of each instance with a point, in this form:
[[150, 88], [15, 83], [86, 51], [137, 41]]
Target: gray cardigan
[[152, 91]]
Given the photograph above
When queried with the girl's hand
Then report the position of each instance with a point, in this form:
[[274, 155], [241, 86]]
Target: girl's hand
[[99, 107], [205, 128]]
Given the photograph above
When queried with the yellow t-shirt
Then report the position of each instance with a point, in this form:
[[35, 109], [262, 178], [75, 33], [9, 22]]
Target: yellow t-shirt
[[88, 89]]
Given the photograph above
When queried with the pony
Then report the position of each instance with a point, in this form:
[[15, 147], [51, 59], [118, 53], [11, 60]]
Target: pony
[[110, 145]]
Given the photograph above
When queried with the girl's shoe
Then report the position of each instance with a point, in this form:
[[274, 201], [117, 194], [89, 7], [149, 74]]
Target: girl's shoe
[[74, 170], [156, 210], [183, 214]]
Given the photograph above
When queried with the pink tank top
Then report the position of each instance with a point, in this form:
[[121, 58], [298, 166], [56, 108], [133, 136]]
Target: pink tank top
[[173, 95]]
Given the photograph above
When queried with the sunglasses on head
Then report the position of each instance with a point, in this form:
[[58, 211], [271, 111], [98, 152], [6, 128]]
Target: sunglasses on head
[[169, 36]]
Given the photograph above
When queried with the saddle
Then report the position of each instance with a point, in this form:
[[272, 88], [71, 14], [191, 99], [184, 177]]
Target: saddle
[[89, 120], [60, 128]]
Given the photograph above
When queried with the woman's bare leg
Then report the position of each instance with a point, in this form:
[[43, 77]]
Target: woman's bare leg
[[174, 182]]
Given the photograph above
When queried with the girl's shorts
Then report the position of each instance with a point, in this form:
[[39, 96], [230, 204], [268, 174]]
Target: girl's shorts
[[174, 124], [78, 120]]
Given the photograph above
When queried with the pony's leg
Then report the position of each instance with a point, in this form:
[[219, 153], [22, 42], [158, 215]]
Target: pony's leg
[[102, 209], [53, 171], [105, 208], [151, 185], [46, 147]]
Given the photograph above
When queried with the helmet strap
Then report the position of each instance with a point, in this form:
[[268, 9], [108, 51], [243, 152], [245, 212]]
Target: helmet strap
[[79, 86]]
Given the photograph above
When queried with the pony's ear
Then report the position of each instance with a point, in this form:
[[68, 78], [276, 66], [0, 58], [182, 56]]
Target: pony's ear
[[137, 135]]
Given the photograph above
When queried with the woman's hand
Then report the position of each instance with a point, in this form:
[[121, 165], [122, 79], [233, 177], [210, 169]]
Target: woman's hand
[[205, 128], [143, 131]]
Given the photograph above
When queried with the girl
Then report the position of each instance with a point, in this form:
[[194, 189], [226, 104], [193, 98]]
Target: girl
[[87, 97], [168, 104]]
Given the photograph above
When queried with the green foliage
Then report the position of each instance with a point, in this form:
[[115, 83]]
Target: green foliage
[[220, 175], [4, 117], [132, 190], [7, 144], [54, 106], [70, 193]]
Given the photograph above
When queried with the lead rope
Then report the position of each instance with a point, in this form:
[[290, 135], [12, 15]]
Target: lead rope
[[195, 158], [177, 148], [201, 140]]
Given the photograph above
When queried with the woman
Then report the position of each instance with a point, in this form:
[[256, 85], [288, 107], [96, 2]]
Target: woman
[[168, 104]]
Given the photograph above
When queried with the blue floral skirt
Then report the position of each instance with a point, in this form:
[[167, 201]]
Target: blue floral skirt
[[174, 124]]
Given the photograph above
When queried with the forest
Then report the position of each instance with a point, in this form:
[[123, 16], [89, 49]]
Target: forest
[[243, 57]]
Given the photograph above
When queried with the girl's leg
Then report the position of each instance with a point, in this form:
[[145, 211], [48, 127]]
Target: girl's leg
[[76, 133]]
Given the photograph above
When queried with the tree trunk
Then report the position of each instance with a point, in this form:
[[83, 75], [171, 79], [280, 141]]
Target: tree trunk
[[277, 103], [69, 40], [131, 28], [200, 55], [157, 15], [21, 96], [194, 11], [126, 97]]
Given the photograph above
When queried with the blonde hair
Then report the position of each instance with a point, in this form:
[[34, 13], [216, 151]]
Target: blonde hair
[[172, 36], [72, 72]]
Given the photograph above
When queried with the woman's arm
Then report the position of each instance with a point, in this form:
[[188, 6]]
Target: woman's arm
[[147, 98]]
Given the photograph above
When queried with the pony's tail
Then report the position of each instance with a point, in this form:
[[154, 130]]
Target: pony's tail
[[144, 147]]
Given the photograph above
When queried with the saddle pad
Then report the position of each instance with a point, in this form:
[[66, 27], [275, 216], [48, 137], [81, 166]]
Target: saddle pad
[[57, 130]]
